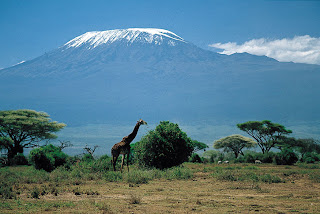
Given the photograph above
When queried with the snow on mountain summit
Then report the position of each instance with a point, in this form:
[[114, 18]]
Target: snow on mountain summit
[[144, 35]]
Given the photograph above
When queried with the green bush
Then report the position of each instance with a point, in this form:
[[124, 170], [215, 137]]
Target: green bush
[[102, 164], [212, 155], [87, 158], [48, 157], [267, 157], [139, 177], [164, 147], [18, 159], [71, 161], [113, 176], [195, 158], [35, 193], [179, 173], [311, 157], [267, 178], [286, 157], [6, 191], [250, 157]]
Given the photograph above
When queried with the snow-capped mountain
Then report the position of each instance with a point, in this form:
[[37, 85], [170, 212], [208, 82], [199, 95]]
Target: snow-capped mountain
[[159, 49], [155, 74], [129, 36]]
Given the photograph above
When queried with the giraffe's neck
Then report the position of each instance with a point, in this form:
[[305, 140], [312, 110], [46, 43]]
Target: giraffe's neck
[[133, 133]]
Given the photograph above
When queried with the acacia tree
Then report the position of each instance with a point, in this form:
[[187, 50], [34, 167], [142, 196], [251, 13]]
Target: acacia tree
[[234, 143], [21, 129], [198, 146], [266, 133]]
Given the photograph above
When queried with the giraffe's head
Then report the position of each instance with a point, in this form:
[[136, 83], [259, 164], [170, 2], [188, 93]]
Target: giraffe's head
[[142, 122]]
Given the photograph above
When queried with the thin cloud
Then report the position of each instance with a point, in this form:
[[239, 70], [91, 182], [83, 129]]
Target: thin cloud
[[300, 49]]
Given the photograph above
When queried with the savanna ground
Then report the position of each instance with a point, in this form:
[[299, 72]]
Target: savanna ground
[[192, 188]]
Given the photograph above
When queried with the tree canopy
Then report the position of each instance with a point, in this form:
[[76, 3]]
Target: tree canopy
[[21, 129], [266, 133], [164, 147], [198, 146], [234, 143]]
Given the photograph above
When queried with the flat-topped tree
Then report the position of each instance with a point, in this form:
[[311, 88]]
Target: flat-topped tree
[[266, 133], [234, 143], [21, 129]]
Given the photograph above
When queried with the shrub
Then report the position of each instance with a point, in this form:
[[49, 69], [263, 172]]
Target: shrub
[[35, 193], [249, 157], [6, 191], [18, 159], [286, 157], [71, 161], [164, 147], [311, 157], [212, 155], [113, 176], [139, 177], [179, 173], [268, 157], [87, 158], [48, 157], [102, 164], [267, 178], [315, 177], [134, 199], [195, 158]]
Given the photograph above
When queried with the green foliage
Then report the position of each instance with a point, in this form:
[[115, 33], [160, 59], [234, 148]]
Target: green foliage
[[198, 146], [100, 165], [244, 174], [18, 159], [113, 176], [87, 158], [179, 173], [266, 133], [309, 166], [48, 157], [315, 177], [310, 157], [195, 158], [212, 155], [286, 157], [139, 177], [6, 190], [234, 143], [21, 129], [251, 157], [35, 193], [309, 149], [164, 147]]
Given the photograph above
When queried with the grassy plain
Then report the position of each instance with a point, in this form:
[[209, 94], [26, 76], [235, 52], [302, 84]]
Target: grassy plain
[[192, 188]]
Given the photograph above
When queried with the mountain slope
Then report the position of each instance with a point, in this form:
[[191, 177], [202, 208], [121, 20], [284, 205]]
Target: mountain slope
[[122, 75]]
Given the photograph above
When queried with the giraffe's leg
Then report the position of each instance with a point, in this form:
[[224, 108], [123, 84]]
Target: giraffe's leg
[[114, 161], [122, 162], [128, 160]]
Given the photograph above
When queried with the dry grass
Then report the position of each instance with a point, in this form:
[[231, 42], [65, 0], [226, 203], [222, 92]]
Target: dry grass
[[202, 193]]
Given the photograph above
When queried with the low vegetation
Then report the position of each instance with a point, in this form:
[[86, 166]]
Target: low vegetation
[[195, 187], [160, 179]]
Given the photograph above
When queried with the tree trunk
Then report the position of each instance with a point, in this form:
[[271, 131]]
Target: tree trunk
[[14, 150], [236, 154]]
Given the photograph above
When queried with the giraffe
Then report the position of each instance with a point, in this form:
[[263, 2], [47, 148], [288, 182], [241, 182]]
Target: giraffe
[[123, 147]]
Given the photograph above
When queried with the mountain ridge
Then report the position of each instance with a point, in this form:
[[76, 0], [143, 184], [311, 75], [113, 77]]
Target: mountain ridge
[[130, 35], [120, 82]]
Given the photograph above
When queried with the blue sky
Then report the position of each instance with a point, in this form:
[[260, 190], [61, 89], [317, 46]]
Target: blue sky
[[31, 28]]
